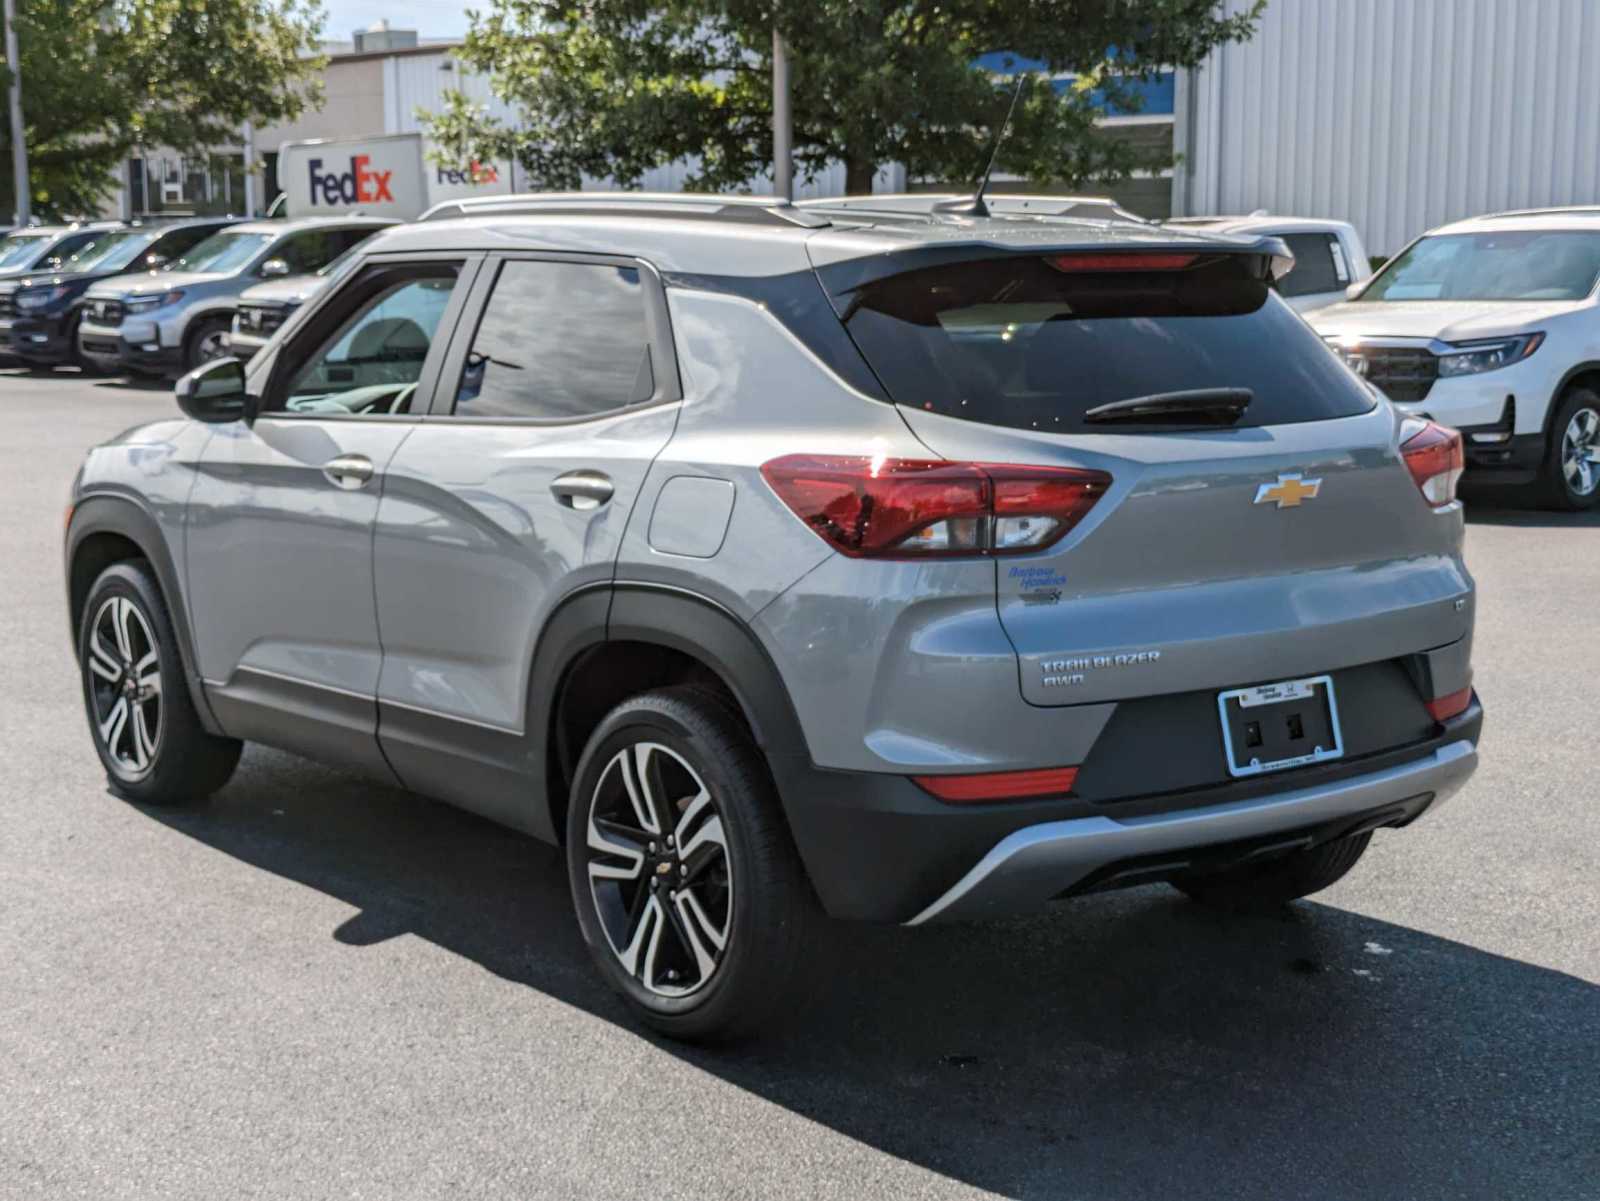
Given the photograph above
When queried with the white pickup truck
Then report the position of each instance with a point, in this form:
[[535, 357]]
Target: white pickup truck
[[1328, 255]]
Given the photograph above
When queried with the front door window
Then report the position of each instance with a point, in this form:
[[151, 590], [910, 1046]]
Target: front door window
[[372, 362]]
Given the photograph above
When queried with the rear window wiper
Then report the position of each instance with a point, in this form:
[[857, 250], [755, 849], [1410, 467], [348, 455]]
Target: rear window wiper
[[1199, 406]]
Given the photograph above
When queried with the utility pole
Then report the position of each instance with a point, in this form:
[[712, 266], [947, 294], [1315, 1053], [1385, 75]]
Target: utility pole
[[249, 169], [782, 122], [19, 148]]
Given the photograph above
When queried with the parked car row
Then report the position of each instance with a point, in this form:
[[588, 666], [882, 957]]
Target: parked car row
[[40, 308], [152, 299]]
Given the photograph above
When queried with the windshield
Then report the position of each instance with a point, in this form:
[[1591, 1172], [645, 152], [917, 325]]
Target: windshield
[[222, 252], [1521, 265], [20, 248], [111, 252], [1035, 342]]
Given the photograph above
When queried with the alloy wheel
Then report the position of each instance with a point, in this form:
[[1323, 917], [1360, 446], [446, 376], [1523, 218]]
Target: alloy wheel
[[1580, 452], [659, 871], [124, 670], [212, 345]]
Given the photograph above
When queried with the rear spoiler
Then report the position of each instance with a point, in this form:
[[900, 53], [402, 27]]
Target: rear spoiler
[[843, 268]]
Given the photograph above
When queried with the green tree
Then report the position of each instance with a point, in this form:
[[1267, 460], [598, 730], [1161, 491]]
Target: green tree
[[616, 87], [101, 77]]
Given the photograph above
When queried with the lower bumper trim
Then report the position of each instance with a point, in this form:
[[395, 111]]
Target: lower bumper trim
[[1038, 862]]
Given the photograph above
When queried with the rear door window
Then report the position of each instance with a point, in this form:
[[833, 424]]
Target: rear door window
[[1318, 265], [306, 252], [179, 242], [560, 341], [1034, 342]]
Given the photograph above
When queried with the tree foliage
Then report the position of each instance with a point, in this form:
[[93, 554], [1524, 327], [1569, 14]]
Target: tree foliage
[[616, 87], [101, 77]]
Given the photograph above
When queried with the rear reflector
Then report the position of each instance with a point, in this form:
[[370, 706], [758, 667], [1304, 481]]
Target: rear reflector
[[1127, 261], [1450, 706], [1435, 458], [1001, 785], [915, 508]]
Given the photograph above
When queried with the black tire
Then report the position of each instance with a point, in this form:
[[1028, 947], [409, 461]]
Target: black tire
[[1278, 881], [1557, 489], [196, 342], [179, 762], [766, 907]]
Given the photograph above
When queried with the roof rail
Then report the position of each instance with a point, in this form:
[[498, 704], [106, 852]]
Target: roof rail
[[1006, 204], [763, 210], [1556, 210]]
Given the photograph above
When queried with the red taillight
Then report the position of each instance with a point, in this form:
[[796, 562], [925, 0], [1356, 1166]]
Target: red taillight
[[911, 508], [1435, 458], [1000, 785], [1126, 261], [1450, 706]]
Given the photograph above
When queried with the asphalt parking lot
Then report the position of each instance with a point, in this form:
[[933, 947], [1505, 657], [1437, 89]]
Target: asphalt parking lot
[[315, 987]]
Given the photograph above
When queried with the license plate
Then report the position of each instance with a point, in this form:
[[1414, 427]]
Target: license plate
[[1275, 726]]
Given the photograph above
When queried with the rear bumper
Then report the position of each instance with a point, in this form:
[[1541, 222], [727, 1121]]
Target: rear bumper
[[1040, 862], [878, 848]]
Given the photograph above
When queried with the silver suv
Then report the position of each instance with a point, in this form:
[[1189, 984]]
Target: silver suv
[[777, 561]]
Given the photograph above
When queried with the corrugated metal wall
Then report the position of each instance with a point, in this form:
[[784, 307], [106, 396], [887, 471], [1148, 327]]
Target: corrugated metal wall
[[1396, 115]]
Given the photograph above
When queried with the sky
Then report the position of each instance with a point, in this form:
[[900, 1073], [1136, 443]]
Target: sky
[[430, 18]]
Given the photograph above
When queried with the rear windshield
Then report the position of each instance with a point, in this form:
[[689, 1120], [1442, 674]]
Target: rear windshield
[[1035, 342]]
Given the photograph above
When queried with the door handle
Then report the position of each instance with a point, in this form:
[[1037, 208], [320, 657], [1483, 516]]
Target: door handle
[[349, 471], [582, 490]]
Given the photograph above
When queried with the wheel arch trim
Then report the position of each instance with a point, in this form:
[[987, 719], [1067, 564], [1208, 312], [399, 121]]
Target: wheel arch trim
[[711, 632], [130, 518], [1591, 367]]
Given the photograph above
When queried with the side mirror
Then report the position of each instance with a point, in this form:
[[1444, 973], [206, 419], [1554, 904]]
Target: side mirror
[[215, 394], [156, 261], [274, 269], [1353, 292]]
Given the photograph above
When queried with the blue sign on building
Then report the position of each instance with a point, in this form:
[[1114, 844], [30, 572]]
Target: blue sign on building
[[1156, 96]]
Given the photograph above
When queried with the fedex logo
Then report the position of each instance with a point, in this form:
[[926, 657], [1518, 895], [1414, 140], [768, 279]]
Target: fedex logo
[[476, 173], [359, 185]]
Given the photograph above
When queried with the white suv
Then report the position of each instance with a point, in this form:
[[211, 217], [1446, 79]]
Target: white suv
[[1491, 325]]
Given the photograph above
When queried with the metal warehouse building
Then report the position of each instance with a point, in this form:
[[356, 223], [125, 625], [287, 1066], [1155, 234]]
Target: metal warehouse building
[[1396, 115]]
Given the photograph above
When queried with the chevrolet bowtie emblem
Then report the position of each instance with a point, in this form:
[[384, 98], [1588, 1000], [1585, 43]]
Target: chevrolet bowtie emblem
[[1288, 492]]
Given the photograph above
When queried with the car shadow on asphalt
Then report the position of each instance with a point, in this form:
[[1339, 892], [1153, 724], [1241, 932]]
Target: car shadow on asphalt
[[1479, 513], [134, 383], [71, 375], [1126, 1045]]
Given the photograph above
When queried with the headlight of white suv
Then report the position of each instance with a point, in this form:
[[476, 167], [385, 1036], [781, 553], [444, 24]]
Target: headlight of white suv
[[1469, 358]]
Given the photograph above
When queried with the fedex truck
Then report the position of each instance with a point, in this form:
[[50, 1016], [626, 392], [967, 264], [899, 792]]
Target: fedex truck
[[391, 175]]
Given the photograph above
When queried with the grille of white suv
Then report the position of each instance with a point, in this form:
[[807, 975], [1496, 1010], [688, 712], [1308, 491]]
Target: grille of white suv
[[1403, 374]]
